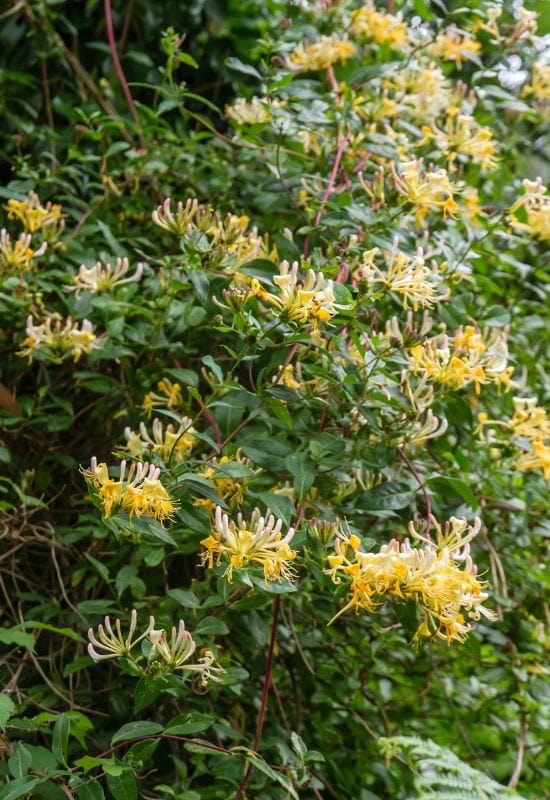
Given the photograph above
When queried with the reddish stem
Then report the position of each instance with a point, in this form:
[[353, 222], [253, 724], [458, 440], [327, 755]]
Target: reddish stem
[[265, 693], [120, 71], [412, 468], [332, 79], [328, 191]]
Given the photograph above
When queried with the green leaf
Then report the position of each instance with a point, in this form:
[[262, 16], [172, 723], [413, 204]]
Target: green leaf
[[60, 740], [7, 707], [123, 787], [192, 722], [88, 790], [454, 486], [237, 65], [20, 761], [18, 638], [302, 469], [133, 730], [185, 598], [19, 787], [147, 690], [387, 496], [211, 625], [278, 777]]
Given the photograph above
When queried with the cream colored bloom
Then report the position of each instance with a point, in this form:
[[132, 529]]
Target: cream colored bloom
[[103, 278], [257, 542], [463, 135], [18, 255], [323, 53], [59, 338], [162, 440], [180, 221], [534, 205], [177, 651], [111, 643], [379, 26], [439, 576], [137, 492], [252, 112], [426, 189], [299, 301], [410, 278]]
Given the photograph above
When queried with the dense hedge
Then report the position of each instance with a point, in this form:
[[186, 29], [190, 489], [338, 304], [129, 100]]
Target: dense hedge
[[273, 440]]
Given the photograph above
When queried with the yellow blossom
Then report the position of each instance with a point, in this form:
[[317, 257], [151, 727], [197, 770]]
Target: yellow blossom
[[252, 112], [462, 135], [231, 490], [451, 45], [59, 338], [467, 357], [422, 89], [170, 397], [535, 206], [312, 299], [163, 440], [103, 278], [19, 254], [323, 53], [430, 575], [35, 217], [409, 277], [138, 492], [257, 542], [425, 189], [379, 26]]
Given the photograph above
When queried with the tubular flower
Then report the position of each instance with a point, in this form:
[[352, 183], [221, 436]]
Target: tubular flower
[[18, 255], [171, 397], [59, 338], [529, 429], [138, 492], [163, 441], [252, 112], [425, 190], [35, 217], [256, 542], [430, 575], [177, 651], [535, 207], [179, 222], [423, 429], [103, 278], [323, 53], [411, 278], [424, 90], [111, 643], [231, 490], [470, 356], [539, 88], [299, 302], [451, 45], [462, 135], [379, 26]]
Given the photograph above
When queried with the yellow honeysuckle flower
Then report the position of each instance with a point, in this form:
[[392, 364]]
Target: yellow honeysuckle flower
[[253, 112], [256, 542], [312, 299], [18, 255], [323, 53], [379, 26], [535, 204], [426, 189], [462, 135], [59, 338], [451, 45], [170, 397], [431, 575], [163, 440], [138, 492], [35, 217]]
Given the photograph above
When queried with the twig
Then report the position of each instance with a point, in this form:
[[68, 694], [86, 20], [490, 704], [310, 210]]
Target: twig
[[328, 191], [265, 693], [422, 486], [120, 71]]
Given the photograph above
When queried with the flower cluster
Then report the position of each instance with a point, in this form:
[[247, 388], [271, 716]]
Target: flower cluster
[[169, 443], [312, 299], [379, 26], [35, 217], [57, 339], [231, 490], [439, 576], [137, 492], [170, 397], [470, 356], [410, 278], [323, 53], [528, 429], [425, 189], [227, 242], [172, 652], [256, 542], [534, 205], [252, 112], [455, 45], [18, 255], [103, 278], [462, 135]]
